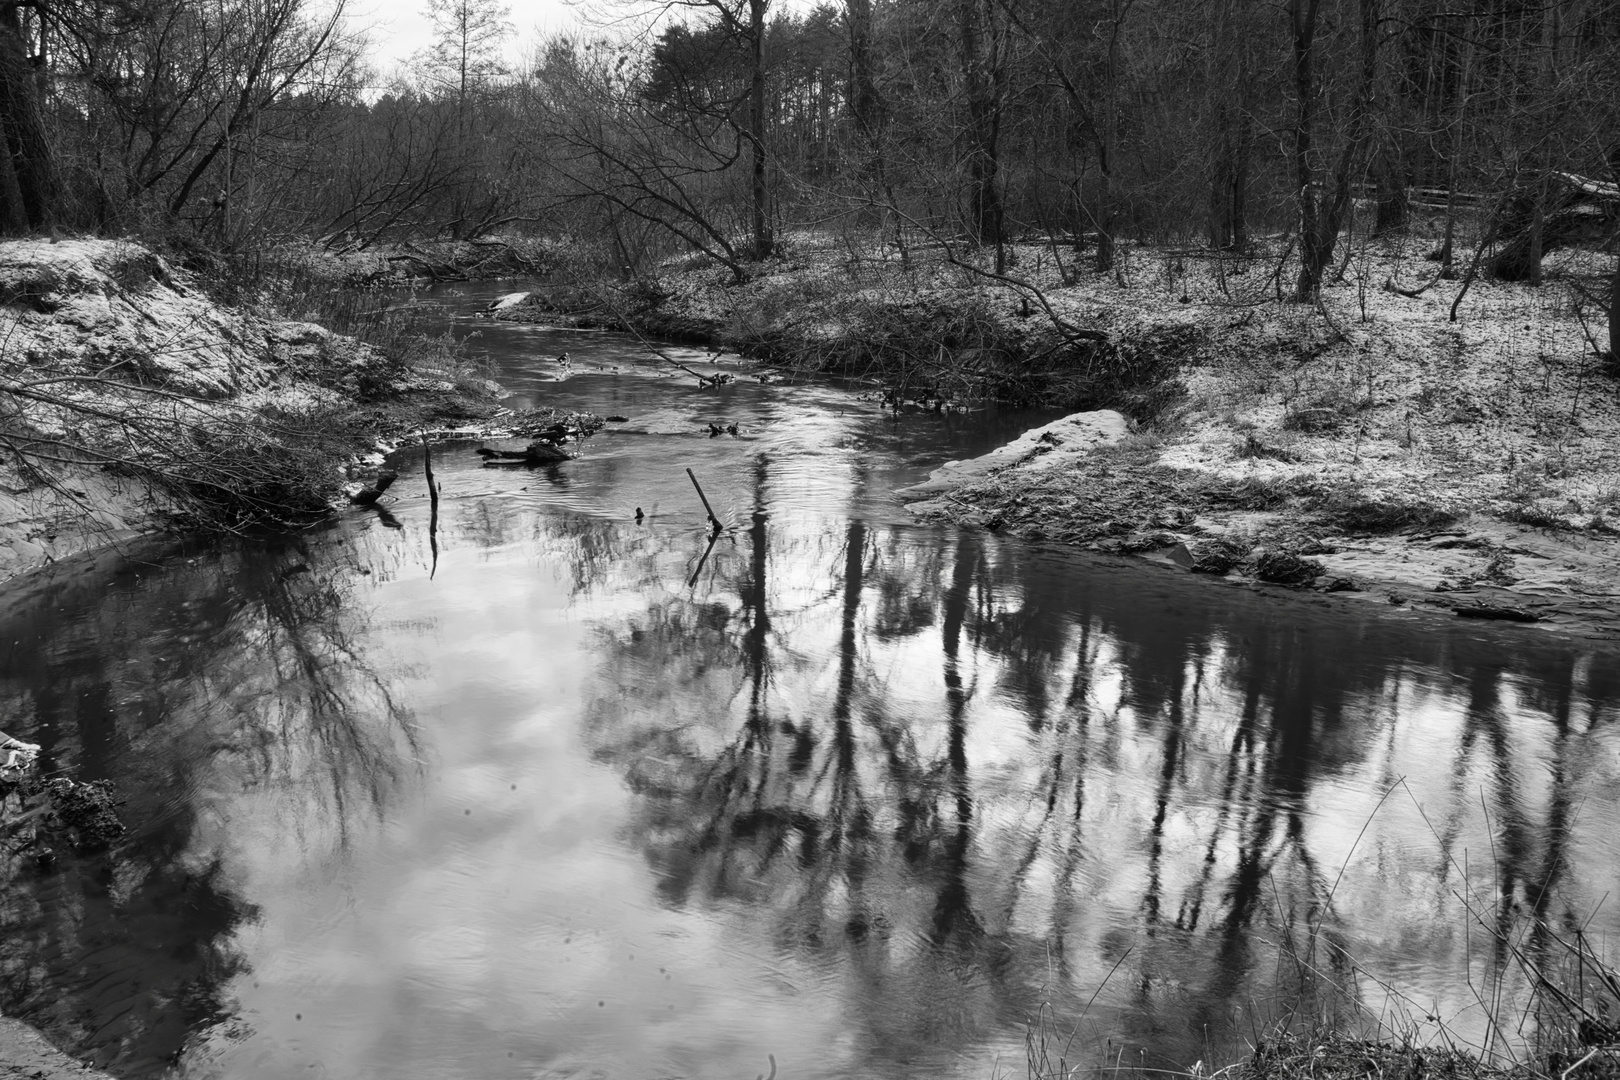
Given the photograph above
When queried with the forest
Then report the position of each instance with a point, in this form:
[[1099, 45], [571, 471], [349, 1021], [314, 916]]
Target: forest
[[735, 128]]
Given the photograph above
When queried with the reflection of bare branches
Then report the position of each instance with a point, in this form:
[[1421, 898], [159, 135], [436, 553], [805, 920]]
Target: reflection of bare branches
[[1076, 777], [168, 678]]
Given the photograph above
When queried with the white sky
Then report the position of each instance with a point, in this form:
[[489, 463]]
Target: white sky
[[398, 28]]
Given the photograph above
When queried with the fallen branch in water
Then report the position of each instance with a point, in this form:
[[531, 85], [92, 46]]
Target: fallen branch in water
[[717, 379], [433, 504], [714, 522]]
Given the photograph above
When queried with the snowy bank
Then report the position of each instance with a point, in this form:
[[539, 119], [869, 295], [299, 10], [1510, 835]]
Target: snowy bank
[[131, 400]]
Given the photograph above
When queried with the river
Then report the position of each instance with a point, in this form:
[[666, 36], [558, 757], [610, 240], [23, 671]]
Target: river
[[581, 795]]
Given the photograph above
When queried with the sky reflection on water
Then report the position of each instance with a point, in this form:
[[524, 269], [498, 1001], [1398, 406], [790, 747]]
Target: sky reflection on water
[[864, 796]]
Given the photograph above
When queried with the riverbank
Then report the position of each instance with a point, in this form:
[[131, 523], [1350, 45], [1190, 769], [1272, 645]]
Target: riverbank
[[1411, 459], [24, 1052], [135, 401]]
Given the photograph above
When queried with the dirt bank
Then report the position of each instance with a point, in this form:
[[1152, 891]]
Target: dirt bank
[[131, 401]]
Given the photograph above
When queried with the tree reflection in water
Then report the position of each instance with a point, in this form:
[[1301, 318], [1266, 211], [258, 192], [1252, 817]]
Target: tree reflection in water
[[178, 679], [953, 778], [1097, 771]]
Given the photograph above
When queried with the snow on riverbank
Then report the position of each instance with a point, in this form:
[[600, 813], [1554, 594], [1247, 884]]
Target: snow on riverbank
[[1468, 456], [127, 393]]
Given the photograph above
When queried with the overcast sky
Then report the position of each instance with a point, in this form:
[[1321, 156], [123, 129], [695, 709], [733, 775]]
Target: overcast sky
[[398, 28]]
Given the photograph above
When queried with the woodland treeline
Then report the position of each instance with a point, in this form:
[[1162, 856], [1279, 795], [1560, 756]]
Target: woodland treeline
[[731, 126]]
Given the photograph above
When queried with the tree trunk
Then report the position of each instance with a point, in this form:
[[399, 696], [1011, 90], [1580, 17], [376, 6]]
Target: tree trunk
[[1614, 318], [983, 129], [866, 106], [764, 241], [1394, 208], [29, 189], [1108, 148], [1229, 181], [1302, 14], [1319, 223], [1454, 164]]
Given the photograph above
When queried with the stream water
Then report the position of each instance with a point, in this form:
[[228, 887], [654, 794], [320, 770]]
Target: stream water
[[582, 795]]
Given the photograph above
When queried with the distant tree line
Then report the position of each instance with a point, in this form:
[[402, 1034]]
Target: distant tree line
[[725, 125]]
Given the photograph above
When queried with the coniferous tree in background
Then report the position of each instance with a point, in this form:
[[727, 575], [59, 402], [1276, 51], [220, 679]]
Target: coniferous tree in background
[[464, 66]]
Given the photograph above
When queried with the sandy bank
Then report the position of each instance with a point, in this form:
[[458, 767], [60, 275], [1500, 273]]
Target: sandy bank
[[24, 1052], [131, 401]]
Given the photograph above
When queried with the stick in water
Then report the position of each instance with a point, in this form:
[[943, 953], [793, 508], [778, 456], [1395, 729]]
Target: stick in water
[[433, 504], [714, 522]]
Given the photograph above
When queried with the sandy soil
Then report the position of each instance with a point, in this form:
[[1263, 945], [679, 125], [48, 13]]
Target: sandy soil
[[135, 346]]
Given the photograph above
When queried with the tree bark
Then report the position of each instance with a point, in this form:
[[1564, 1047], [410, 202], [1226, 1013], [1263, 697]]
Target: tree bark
[[1302, 15], [29, 189], [1614, 318], [764, 240], [1394, 208], [865, 105], [1229, 179], [1319, 223], [1109, 144], [983, 129]]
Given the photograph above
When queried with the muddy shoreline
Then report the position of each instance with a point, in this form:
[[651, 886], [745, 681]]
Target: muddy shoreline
[[1073, 482]]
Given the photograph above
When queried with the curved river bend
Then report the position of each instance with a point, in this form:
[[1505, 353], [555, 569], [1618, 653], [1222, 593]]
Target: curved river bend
[[582, 796]]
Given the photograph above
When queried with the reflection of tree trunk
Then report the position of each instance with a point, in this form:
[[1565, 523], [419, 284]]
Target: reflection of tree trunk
[[753, 597], [846, 815], [953, 914], [1161, 807], [1560, 815], [854, 560]]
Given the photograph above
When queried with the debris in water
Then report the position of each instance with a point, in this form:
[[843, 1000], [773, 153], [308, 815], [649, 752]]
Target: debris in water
[[366, 496]]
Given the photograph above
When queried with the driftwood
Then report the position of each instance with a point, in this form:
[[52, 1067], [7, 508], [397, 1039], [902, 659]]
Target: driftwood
[[367, 496], [1488, 611], [536, 453]]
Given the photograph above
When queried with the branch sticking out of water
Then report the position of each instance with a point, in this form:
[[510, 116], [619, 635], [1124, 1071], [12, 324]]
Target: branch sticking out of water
[[714, 522], [433, 504]]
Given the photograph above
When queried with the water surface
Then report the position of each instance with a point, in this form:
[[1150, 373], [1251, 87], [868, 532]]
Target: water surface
[[582, 795]]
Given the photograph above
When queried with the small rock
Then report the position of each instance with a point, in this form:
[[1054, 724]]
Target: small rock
[[1334, 583]]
